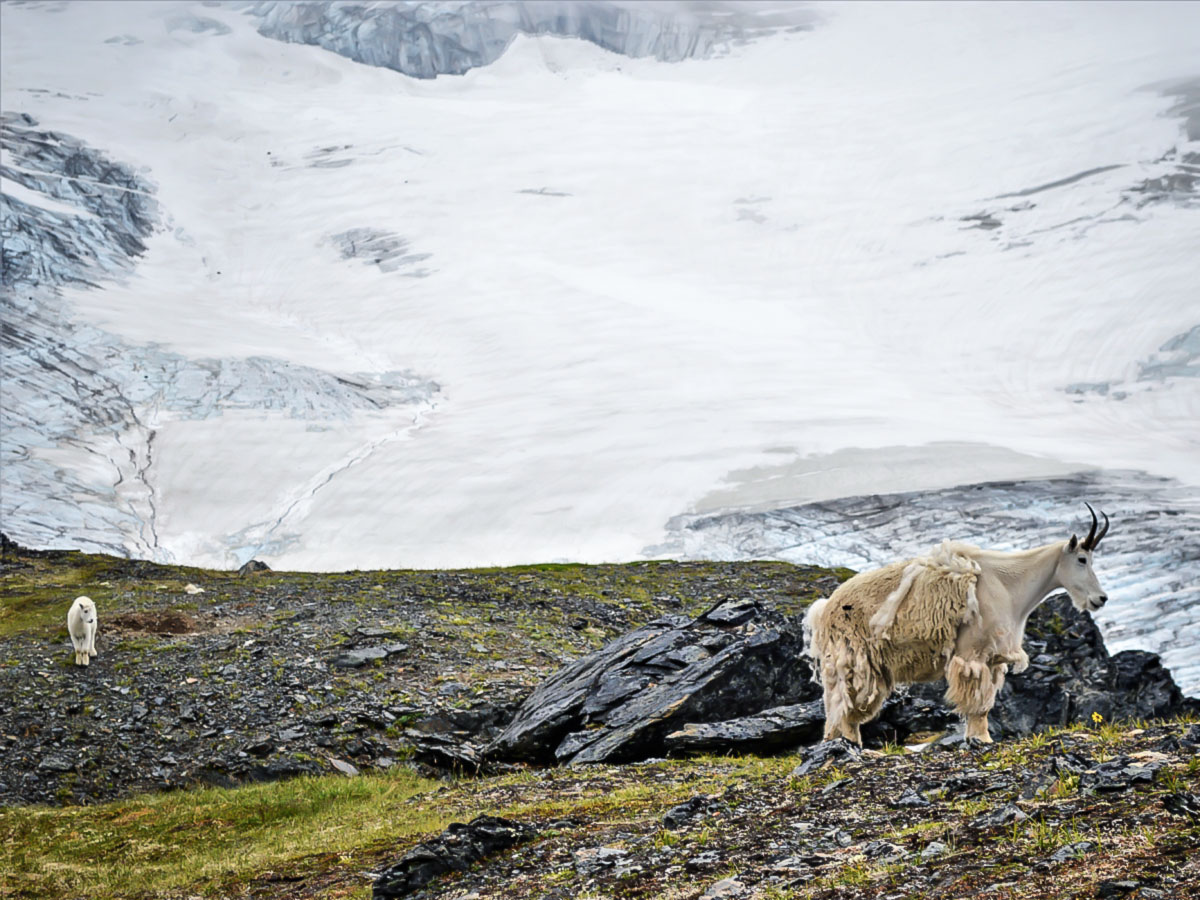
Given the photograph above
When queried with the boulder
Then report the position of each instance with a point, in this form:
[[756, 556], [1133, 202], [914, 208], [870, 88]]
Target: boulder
[[621, 702], [253, 567]]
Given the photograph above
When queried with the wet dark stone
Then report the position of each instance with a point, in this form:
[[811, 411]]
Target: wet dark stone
[[455, 850], [260, 746], [445, 751], [1118, 774]]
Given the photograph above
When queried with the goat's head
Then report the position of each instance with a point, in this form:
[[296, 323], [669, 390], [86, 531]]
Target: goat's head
[[1075, 568], [87, 609]]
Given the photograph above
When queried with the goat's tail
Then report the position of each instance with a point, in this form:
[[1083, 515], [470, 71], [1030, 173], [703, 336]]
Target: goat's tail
[[816, 637]]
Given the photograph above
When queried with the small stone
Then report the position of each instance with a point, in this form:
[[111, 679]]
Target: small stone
[[260, 746], [910, 799], [354, 659], [193, 589], [457, 849], [344, 767], [835, 786], [825, 753], [290, 734], [678, 817], [373, 632], [1072, 851], [592, 860], [1183, 805], [933, 849], [55, 764], [705, 860], [1109, 889], [1006, 815], [882, 850], [725, 889]]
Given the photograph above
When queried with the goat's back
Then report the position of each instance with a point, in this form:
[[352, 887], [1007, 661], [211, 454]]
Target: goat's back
[[917, 606]]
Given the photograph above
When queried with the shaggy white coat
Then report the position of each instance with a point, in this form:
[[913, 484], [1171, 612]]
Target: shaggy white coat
[[957, 613], [82, 626]]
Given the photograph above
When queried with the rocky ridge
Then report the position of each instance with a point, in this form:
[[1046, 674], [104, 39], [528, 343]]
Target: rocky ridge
[[229, 678], [271, 674]]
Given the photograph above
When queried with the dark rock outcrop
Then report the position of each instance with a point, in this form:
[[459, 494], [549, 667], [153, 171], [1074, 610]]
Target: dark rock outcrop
[[455, 850], [253, 567], [735, 680], [620, 703]]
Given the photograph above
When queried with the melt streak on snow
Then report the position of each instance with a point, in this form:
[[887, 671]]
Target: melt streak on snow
[[611, 287]]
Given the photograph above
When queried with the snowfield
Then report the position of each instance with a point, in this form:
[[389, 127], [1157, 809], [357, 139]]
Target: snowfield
[[559, 306]]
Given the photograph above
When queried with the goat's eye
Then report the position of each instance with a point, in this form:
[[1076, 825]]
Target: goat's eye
[[1083, 560]]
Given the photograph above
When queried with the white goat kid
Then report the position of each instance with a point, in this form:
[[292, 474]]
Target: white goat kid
[[82, 627], [958, 613]]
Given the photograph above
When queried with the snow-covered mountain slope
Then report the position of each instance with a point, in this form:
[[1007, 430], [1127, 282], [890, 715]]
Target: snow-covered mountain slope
[[264, 298]]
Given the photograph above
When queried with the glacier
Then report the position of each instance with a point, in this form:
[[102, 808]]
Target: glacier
[[440, 283]]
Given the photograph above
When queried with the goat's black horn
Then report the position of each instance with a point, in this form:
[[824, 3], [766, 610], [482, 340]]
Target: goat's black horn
[[1103, 531], [1091, 535]]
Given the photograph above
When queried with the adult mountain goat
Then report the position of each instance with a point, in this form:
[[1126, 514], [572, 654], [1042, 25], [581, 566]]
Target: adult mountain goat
[[958, 613]]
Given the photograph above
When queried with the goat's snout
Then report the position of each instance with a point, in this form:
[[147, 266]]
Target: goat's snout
[[1102, 599]]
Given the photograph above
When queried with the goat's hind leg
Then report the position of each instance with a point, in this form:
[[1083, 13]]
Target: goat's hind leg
[[851, 703]]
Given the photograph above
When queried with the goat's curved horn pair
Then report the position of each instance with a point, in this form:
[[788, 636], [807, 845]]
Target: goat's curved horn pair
[[1092, 541]]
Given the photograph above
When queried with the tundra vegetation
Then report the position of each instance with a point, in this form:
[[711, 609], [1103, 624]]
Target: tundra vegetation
[[1102, 809]]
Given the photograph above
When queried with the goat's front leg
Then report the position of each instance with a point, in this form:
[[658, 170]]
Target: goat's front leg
[[972, 688], [977, 728]]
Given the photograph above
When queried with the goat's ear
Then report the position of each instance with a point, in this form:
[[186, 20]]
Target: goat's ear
[[1072, 544]]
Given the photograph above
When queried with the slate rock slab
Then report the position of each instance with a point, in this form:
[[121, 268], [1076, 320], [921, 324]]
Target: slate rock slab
[[777, 728], [455, 850], [620, 703], [836, 751]]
